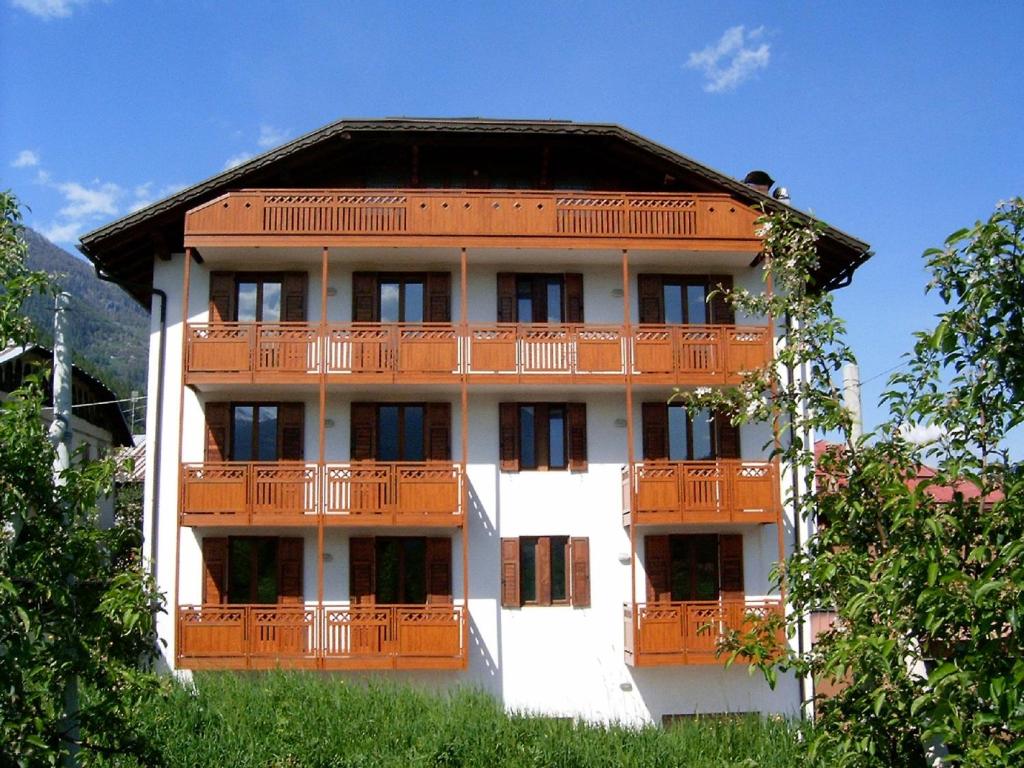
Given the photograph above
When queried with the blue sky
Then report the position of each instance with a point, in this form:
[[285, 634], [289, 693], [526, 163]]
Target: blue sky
[[898, 123]]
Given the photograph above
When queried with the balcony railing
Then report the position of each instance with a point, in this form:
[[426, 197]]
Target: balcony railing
[[688, 633], [685, 492], [460, 217], [322, 636], [299, 493], [501, 352]]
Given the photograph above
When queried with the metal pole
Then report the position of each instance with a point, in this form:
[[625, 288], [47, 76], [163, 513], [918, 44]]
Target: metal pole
[[851, 399]]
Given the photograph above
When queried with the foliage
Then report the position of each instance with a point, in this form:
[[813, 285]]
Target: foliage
[[75, 607], [303, 719], [927, 594]]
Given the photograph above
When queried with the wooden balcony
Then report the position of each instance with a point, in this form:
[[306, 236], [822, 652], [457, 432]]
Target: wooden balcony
[[299, 493], [472, 218], [662, 634], [683, 355], [322, 637], [726, 491]]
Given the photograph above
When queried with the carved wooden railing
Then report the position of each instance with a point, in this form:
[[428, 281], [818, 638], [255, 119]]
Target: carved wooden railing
[[289, 492], [681, 492], [398, 215], [234, 636], [698, 354], [689, 632], [425, 350]]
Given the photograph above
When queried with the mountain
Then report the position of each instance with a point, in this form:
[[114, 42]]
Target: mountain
[[108, 332]]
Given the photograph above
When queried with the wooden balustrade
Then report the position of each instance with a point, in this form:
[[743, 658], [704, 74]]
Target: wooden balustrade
[[322, 636], [685, 492], [659, 634], [472, 217], [683, 355], [300, 493]]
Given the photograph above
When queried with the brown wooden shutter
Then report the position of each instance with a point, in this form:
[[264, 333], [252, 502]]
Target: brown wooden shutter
[[438, 420], [576, 416], [289, 570], [362, 570], [650, 299], [730, 566], [658, 564], [508, 436], [293, 302], [215, 570], [543, 560], [365, 308], [507, 298], [728, 437], [439, 571], [291, 419], [364, 431], [573, 297], [579, 555], [218, 432], [510, 573], [722, 312], [654, 419], [438, 291], [222, 297]]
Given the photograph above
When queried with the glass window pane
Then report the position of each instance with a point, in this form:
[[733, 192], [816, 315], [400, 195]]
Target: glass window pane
[[524, 301], [415, 551], [387, 433], [388, 571], [696, 304], [240, 571], [241, 426], [527, 442], [247, 302], [528, 570], [680, 567], [673, 298], [706, 568], [702, 441], [554, 301], [268, 433], [389, 303], [556, 438], [266, 571], [413, 303], [559, 587], [413, 442], [678, 429], [271, 307]]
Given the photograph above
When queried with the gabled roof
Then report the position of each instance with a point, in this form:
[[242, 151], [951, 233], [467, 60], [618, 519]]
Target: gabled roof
[[124, 249]]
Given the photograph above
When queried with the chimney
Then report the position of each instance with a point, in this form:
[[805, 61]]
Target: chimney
[[759, 180]]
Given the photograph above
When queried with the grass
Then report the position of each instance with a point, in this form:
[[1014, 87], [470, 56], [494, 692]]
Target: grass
[[280, 720]]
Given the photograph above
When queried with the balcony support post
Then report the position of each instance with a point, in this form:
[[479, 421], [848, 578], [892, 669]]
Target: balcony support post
[[186, 277], [776, 434], [321, 472], [630, 457], [464, 454]]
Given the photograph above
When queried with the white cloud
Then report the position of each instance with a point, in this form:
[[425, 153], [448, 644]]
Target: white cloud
[[26, 159], [921, 434], [48, 9], [144, 195], [236, 160], [89, 202], [67, 232], [733, 59], [271, 136]]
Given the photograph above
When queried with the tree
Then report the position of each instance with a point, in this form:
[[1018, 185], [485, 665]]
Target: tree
[[75, 604], [929, 596]]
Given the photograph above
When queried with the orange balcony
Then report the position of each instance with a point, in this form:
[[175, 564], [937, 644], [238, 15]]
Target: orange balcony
[[299, 493], [661, 634], [472, 218], [691, 492], [322, 637], [698, 355]]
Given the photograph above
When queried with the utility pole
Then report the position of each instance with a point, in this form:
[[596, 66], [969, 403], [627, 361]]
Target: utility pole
[[851, 399]]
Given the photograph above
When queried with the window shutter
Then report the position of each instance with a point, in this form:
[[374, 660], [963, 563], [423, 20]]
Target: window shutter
[[728, 436], [730, 566], [439, 297], [657, 564], [289, 571], [508, 437], [541, 436], [576, 416], [364, 298], [218, 432], [222, 297], [544, 570], [361, 556], [439, 571], [650, 301], [438, 419], [573, 297], [579, 553], [654, 418], [364, 431], [507, 298], [722, 312], [293, 302], [215, 567], [510, 573], [291, 418]]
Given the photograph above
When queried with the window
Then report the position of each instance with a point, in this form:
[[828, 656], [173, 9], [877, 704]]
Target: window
[[401, 297], [543, 436], [252, 569], [401, 300], [401, 432], [540, 298], [545, 570], [400, 570], [683, 299], [258, 299], [676, 433], [693, 567], [254, 432], [691, 434]]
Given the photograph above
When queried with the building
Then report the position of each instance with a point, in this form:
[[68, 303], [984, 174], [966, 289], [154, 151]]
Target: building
[[415, 420]]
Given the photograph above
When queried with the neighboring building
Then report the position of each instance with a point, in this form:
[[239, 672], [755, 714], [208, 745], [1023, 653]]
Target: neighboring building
[[416, 416]]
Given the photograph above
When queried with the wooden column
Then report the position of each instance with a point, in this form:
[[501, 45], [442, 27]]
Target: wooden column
[[627, 322], [321, 457], [186, 277], [777, 491], [464, 418]]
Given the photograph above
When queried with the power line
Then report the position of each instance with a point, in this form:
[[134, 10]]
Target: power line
[[887, 370]]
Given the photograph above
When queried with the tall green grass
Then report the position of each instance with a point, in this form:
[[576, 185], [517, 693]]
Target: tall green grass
[[279, 720]]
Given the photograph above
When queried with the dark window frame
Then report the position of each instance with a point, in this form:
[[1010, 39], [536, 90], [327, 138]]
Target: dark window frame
[[712, 432], [548, 563], [691, 542], [402, 581], [254, 569], [401, 429], [255, 441], [403, 279], [539, 298], [259, 278], [542, 413], [683, 282]]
